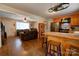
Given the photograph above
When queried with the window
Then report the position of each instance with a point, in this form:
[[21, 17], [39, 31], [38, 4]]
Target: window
[[22, 25]]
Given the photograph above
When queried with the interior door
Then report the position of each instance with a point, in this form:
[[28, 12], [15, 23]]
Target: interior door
[[41, 29]]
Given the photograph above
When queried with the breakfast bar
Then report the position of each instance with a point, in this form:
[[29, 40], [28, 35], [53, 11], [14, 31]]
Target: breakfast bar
[[66, 39]]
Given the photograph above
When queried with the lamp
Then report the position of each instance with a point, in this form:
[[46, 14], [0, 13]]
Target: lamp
[[59, 7]]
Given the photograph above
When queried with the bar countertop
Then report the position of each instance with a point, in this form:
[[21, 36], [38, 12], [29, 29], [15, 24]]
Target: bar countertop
[[72, 36], [69, 38]]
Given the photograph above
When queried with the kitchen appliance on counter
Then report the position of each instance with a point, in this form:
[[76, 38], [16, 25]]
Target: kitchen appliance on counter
[[64, 25]]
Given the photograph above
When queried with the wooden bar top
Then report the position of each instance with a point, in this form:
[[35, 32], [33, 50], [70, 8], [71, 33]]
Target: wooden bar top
[[63, 35], [69, 38]]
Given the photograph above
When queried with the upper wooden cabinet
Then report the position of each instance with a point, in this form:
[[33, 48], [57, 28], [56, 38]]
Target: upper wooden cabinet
[[75, 20]]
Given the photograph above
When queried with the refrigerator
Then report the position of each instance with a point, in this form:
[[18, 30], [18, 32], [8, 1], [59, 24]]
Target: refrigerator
[[64, 25], [54, 27]]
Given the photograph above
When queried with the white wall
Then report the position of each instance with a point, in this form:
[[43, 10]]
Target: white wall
[[41, 20], [48, 24], [10, 26]]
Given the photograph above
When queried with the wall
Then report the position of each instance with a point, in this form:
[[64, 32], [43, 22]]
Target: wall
[[47, 23], [10, 27], [74, 18], [41, 20]]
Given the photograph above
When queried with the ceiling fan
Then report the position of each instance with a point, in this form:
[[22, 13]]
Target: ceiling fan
[[59, 7]]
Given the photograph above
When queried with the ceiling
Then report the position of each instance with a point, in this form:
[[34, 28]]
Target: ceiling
[[10, 15], [16, 17], [41, 9]]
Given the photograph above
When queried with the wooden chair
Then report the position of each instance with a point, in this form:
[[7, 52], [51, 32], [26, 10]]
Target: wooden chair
[[44, 44], [44, 41], [72, 51], [54, 48]]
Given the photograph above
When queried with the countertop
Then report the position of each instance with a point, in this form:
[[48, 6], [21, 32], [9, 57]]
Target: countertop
[[70, 38], [63, 35]]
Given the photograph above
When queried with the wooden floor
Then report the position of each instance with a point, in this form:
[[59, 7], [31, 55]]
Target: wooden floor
[[16, 47]]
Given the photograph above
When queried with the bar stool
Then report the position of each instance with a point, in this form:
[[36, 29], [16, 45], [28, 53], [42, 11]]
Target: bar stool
[[44, 41], [44, 44], [54, 48], [72, 51]]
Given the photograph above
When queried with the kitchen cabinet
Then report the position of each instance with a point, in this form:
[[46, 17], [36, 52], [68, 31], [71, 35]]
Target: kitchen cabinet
[[75, 20]]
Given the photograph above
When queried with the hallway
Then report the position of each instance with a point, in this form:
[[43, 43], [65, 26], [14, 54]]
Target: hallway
[[16, 47]]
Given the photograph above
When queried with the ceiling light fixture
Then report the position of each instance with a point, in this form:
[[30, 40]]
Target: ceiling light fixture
[[59, 7]]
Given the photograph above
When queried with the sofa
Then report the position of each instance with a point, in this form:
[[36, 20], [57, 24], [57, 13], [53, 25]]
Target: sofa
[[28, 34]]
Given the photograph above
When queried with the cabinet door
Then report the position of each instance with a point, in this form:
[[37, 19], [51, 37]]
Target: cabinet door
[[75, 20], [78, 20]]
